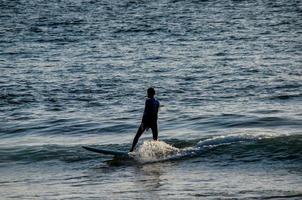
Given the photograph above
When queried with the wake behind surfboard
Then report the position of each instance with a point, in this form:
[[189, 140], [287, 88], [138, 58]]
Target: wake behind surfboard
[[121, 154]]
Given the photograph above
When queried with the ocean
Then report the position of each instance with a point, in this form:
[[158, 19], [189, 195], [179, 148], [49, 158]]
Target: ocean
[[228, 75]]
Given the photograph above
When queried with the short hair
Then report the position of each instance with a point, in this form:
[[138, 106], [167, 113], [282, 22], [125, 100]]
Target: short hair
[[151, 91]]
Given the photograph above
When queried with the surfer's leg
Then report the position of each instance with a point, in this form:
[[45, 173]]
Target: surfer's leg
[[137, 136], [154, 129]]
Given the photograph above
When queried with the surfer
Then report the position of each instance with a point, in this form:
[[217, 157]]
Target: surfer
[[149, 118]]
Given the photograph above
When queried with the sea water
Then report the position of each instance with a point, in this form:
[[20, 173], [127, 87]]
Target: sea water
[[227, 74]]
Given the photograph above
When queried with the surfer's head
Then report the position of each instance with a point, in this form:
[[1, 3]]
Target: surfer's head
[[151, 92]]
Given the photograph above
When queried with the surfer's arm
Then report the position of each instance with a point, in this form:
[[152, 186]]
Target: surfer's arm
[[144, 120]]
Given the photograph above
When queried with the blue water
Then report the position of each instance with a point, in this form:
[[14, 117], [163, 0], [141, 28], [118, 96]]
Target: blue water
[[227, 73]]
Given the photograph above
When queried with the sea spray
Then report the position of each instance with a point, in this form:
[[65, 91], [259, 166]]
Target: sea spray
[[151, 151]]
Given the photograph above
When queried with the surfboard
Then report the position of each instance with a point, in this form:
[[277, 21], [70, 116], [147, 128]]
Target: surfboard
[[123, 154]]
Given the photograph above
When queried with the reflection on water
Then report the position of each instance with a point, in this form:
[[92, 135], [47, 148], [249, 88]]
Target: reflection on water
[[150, 176]]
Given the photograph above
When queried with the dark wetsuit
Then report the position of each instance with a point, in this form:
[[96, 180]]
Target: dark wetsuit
[[150, 112], [149, 120]]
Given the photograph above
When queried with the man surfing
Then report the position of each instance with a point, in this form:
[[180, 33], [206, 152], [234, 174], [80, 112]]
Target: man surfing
[[149, 118]]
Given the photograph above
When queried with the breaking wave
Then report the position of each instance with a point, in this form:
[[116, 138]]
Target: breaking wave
[[242, 147], [230, 148]]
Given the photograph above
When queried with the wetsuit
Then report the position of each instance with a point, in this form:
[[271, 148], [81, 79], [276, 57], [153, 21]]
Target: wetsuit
[[149, 120]]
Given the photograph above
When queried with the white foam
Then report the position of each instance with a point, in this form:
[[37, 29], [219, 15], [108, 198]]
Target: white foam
[[152, 151], [232, 138]]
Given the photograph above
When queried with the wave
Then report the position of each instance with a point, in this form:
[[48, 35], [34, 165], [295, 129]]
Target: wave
[[286, 97], [248, 148], [154, 151], [230, 148], [243, 146]]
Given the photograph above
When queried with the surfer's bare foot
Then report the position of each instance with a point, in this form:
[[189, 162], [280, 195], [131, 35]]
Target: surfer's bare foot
[[131, 153]]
